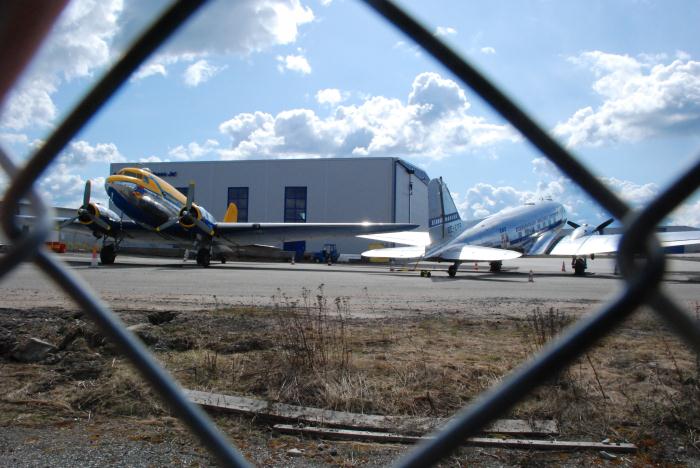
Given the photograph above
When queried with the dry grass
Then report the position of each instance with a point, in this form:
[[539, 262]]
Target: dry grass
[[639, 384]]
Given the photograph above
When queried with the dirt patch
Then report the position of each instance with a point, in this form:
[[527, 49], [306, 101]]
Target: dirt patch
[[639, 385]]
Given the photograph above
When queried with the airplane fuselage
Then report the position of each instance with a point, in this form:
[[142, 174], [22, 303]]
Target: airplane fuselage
[[516, 229], [149, 200]]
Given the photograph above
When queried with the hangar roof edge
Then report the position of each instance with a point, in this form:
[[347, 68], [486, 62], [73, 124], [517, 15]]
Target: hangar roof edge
[[419, 173]]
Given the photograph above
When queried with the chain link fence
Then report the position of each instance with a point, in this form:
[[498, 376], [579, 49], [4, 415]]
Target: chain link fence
[[640, 256]]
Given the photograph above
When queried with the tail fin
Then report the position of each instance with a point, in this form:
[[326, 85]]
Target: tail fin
[[231, 215], [444, 221]]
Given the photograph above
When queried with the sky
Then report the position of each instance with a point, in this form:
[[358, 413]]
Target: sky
[[617, 83]]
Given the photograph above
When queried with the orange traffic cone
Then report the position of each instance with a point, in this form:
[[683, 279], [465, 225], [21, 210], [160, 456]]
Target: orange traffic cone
[[563, 266], [93, 262], [476, 266]]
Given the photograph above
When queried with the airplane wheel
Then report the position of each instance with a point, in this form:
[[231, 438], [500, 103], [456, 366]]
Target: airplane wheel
[[495, 267], [203, 257], [452, 271], [579, 267], [428, 274], [107, 254], [223, 260]]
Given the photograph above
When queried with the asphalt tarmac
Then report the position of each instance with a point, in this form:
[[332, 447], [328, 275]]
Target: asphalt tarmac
[[372, 289]]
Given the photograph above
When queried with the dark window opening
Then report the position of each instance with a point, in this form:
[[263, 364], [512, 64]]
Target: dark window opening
[[295, 204], [239, 196]]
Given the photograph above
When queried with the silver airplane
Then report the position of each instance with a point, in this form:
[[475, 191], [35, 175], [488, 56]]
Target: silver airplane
[[532, 229]]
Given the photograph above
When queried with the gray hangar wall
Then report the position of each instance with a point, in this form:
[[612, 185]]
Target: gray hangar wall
[[337, 190]]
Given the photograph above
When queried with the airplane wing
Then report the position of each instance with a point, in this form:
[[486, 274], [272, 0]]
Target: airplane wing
[[608, 243], [413, 238], [395, 252], [256, 233], [475, 253]]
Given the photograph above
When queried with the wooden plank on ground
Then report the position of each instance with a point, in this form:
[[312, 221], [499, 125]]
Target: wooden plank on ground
[[386, 437], [372, 422]]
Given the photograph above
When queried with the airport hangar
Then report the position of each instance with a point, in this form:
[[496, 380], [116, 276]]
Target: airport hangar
[[333, 190]]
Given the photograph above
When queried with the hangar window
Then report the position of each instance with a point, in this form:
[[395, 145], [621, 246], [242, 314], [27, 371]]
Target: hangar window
[[295, 204], [239, 196]]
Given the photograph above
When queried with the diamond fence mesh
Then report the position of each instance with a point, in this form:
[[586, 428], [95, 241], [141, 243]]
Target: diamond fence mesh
[[642, 277]]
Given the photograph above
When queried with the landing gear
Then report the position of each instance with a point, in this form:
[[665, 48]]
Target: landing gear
[[108, 253], [495, 267], [452, 270], [579, 265], [203, 257], [425, 274]]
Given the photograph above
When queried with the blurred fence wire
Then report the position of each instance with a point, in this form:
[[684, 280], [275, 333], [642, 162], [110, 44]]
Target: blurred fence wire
[[28, 25]]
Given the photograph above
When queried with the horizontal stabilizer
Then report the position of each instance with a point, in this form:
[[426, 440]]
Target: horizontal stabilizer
[[414, 238], [475, 253], [395, 252]]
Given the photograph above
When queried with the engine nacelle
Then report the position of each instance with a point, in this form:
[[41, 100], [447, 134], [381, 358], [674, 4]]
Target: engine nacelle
[[187, 218], [197, 218], [93, 210]]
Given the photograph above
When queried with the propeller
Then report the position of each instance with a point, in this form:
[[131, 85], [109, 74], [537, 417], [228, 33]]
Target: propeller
[[187, 216], [87, 212], [585, 231], [603, 225]]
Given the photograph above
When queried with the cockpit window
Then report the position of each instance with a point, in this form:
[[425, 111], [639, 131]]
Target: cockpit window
[[132, 174]]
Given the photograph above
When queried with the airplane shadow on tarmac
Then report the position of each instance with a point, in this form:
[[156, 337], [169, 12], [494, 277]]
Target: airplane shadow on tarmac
[[506, 276], [192, 265]]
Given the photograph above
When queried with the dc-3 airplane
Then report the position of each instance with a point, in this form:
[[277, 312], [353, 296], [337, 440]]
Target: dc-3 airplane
[[162, 215], [530, 230]]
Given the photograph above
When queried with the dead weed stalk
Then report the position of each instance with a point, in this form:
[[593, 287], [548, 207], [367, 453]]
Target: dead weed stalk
[[311, 335]]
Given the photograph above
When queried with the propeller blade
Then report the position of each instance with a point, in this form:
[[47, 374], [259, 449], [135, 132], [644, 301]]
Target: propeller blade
[[86, 193], [67, 222], [167, 224], [573, 224], [603, 225], [190, 196]]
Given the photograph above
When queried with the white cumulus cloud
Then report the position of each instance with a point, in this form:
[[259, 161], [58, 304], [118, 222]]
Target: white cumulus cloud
[[485, 199], [642, 98], [76, 47], [445, 31], [81, 152], [296, 63], [199, 72], [488, 50], [193, 151], [329, 96], [433, 122], [90, 33], [224, 28]]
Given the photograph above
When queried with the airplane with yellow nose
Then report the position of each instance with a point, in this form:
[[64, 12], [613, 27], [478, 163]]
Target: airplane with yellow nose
[[160, 214]]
